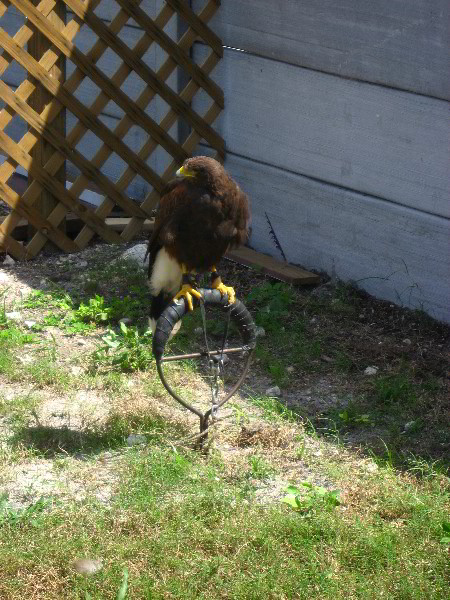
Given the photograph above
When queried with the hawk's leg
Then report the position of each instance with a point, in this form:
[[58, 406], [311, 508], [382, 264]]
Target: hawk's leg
[[216, 283], [187, 289]]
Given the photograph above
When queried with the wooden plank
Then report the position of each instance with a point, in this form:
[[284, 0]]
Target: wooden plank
[[379, 141], [393, 252], [382, 41], [37, 46], [269, 265]]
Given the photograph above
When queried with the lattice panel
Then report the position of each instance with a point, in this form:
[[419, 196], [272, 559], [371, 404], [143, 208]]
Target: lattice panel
[[128, 92]]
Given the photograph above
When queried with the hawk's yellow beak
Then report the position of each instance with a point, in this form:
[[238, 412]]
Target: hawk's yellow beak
[[182, 172]]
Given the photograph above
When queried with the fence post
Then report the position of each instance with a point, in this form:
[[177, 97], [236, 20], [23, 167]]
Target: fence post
[[42, 151]]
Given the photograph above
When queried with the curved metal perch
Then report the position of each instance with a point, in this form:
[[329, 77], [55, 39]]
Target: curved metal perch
[[240, 316]]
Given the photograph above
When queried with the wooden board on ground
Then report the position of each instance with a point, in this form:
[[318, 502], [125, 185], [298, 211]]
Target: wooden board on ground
[[273, 267]]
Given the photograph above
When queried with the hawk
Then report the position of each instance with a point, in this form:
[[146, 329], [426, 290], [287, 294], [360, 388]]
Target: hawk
[[202, 213]]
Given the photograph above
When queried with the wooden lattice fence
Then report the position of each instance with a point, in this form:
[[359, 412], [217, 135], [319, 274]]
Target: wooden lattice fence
[[39, 46]]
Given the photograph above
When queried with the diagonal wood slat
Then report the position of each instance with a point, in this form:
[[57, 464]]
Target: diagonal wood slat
[[54, 163], [65, 146], [94, 73], [167, 122], [197, 74], [90, 121]]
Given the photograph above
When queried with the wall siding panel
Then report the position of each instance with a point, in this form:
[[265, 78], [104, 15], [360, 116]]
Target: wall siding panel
[[390, 42], [371, 139], [395, 253]]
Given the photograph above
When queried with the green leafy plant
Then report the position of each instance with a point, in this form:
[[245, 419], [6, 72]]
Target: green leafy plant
[[122, 592], [348, 418], [93, 312], [446, 530], [260, 468], [127, 350], [315, 496]]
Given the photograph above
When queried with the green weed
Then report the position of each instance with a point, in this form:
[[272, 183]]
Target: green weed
[[127, 350], [55, 298], [94, 312], [314, 497], [260, 468], [18, 410], [31, 515], [273, 409], [396, 388], [270, 303]]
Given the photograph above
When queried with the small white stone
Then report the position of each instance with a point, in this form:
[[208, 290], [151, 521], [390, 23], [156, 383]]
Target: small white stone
[[87, 566], [82, 264], [372, 467], [407, 342], [409, 425], [137, 253], [25, 359], [29, 324], [4, 277], [136, 438], [290, 369], [371, 371], [260, 332], [76, 370], [274, 391], [13, 316], [9, 261]]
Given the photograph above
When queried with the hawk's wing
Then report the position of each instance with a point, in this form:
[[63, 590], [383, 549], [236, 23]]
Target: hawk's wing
[[163, 231]]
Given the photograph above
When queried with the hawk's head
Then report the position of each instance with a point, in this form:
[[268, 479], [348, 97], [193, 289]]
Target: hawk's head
[[203, 170]]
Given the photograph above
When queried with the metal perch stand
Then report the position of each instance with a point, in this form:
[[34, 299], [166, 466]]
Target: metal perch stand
[[236, 313]]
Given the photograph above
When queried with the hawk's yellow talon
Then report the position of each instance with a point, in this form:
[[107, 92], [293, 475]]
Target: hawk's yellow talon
[[225, 291], [187, 291]]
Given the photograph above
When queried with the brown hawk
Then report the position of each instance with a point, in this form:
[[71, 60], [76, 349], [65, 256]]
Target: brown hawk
[[202, 213]]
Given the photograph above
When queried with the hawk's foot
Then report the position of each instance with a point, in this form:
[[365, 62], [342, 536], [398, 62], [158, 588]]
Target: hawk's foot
[[186, 292], [225, 290]]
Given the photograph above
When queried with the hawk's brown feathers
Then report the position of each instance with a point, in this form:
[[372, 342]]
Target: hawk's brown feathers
[[202, 213]]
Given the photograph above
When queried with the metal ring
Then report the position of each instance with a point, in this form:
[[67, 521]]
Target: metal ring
[[175, 312]]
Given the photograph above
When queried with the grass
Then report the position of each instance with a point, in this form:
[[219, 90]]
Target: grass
[[186, 525], [183, 530]]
